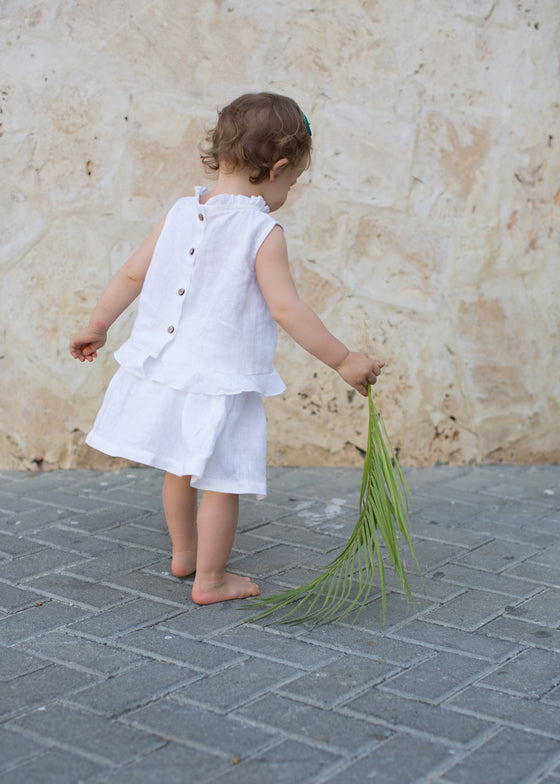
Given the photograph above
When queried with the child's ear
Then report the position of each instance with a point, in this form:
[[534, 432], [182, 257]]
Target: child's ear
[[278, 168]]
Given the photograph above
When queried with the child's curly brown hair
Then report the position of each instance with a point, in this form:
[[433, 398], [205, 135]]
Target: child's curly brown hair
[[255, 131]]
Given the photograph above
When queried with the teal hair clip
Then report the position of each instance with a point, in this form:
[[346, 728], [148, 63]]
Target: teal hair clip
[[306, 121]]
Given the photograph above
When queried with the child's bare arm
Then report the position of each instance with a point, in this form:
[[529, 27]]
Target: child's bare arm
[[301, 322], [120, 292]]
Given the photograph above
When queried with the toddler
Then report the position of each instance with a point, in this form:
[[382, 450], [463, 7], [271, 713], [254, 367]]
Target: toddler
[[214, 282]]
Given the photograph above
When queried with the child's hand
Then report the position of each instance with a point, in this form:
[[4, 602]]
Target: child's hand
[[85, 344], [359, 370]]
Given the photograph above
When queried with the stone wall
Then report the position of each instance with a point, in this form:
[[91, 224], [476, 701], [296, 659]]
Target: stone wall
[[430, 212]]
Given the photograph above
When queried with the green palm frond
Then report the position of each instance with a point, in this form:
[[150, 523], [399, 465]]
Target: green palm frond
[[347, 582]]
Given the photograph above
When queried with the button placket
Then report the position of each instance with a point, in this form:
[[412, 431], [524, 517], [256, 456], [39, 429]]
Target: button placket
[[190, 252]]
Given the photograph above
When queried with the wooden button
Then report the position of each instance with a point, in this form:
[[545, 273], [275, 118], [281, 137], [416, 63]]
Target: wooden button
[[181, 292], [170, 329]]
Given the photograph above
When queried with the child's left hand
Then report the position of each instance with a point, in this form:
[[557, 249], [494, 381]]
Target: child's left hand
[[359, 371]]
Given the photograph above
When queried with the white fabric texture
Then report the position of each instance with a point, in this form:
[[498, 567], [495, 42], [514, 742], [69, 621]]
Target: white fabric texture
[[187, 397], [219, 440], [203, 324]]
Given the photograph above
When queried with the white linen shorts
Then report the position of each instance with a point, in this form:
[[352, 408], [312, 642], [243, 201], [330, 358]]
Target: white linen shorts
[[218, 440]]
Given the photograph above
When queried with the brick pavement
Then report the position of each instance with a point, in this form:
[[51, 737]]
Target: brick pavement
[[110, 673]]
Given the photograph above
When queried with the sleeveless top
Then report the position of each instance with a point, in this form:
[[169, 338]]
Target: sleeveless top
[[203, 325]]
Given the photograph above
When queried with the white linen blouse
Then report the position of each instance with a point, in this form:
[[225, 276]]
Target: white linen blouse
[[203, 325]]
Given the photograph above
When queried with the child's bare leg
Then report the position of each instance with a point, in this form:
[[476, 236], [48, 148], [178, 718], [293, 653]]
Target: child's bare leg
[[217, 522], [179, 505]]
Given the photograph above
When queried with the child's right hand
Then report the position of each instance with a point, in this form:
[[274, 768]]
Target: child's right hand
[[359, 371], [85, 344]]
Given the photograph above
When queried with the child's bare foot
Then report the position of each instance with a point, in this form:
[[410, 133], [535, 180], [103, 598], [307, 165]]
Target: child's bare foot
[[183, 563], [230, 587]]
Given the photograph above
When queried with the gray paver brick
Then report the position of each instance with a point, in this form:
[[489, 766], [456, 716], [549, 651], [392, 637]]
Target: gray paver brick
[[471, 481], [122, 619], [337, 680], [162, 644], [224, 736], [279, 532], [13, 599], [30, 622], [127, 690], [101, 519], [36, 563], [270, 561], [10, 503], [431, 553], [60, 499], [66, 537], [400, 712], [173, 761], [445, 638], [508, 757], [537, 573], [402, 759], [434, 679], [531, 674], [55, 767], [552, 778], [252, 514], [32, 520], [246, 543], [508, 709], [138, 535], [471, 609], [64, 648], [553, 696], [291, 577], [39, 687], [549, 556], [532, 481], [113, 564], [513, 513], [69, 588], [450, 534], [544, 608], [348, 639], [17, 545], [14, 746], [277, 646], [503, 582], [87, 733], [150, 502], [526, 632], [337, 733], [14, 662], [429, 586], [165, 587], [201, 622], [399, 609], [285, 763], [443, 511], [495, 556], [234, 686]]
